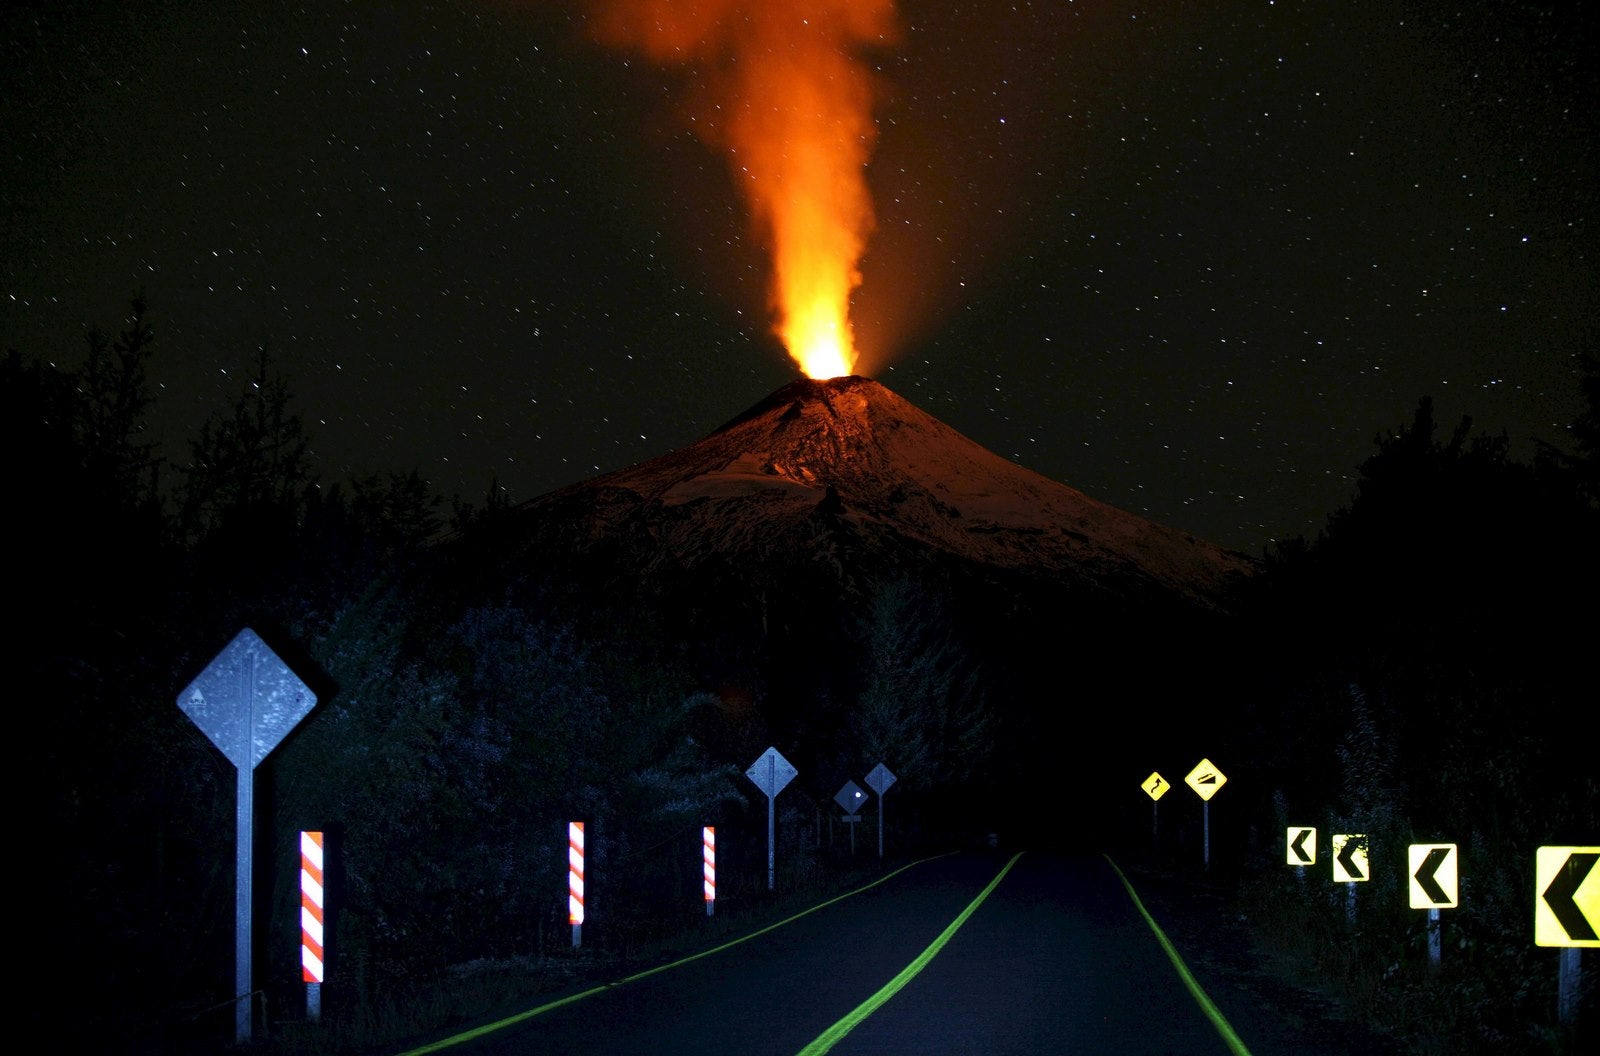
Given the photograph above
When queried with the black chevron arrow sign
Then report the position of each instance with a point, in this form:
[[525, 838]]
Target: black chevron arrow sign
[[1425, 877], [1561, 896], [1433, 876], [1300, 854], [1350, 856]]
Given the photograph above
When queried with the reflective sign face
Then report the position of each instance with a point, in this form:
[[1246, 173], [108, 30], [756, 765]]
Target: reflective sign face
[[1350, 858], [1566, 896], [1302, 845], [1205, 779], [880, 779], [247, 700], [1155, 786], [1434, 869], [771, 772]]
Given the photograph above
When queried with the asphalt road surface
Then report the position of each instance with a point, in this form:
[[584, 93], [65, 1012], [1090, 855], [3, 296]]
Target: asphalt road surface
[[972, 953]]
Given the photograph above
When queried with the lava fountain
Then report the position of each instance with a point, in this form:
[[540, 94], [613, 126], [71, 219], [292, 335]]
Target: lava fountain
[[785, 92]]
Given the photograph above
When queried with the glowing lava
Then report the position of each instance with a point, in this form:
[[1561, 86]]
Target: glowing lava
[[787, 96]]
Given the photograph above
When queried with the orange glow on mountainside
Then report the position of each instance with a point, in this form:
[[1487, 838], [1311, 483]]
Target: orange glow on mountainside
[[786, 95]]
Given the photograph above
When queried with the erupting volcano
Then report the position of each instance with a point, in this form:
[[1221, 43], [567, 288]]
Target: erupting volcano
[[782, 89]]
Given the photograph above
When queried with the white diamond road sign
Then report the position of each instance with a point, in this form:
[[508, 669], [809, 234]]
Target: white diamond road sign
[[850, 797], [771, 772], [247, 700], [880, 779]]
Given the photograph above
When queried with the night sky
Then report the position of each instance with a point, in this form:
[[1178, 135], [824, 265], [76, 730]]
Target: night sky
[[1190, 258]]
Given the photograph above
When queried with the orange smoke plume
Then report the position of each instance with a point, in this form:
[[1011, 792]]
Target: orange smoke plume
[[787, 95]]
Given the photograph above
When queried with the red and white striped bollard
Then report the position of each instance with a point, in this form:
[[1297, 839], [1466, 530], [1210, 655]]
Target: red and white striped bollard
[[575, 880], [313, 957], [708, 856]]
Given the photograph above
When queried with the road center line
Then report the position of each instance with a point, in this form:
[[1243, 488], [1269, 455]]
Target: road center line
[[1213, 1013], [835, 1034]]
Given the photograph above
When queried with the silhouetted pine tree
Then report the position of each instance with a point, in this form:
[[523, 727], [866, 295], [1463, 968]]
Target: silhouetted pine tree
[[249, 469]]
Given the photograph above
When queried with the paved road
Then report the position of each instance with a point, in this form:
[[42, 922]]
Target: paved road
[[1053, 957]]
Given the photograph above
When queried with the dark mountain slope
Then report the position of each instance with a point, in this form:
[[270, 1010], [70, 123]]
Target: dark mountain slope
[[759, 558], [820, 471]]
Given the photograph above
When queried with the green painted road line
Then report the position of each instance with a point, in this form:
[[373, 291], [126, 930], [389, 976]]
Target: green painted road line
[[835, 1034], [1213, 1013], [489, 1028], [501, 1024]]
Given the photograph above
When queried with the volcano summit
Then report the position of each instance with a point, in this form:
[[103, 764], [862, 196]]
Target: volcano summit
[[850, 481]]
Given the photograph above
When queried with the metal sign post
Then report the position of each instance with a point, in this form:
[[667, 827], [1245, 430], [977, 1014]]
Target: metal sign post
[[1155, 786], [1350, 867], [1435, 870], [1301, 851], [880, 779], [849, 797], [1566, 913], [243, 900], [246, 701], [771, 773], [1205, 779]]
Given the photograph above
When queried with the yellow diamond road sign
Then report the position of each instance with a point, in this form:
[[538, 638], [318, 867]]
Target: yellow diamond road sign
[[1566, 896], [1350, 858], [1434, 869], [1205, 779], [1155, 786]]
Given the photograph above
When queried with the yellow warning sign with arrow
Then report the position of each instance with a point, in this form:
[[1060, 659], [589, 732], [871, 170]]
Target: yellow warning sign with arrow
[[1205, 779], [1350, 858], [1434, 869], [1566, 896]]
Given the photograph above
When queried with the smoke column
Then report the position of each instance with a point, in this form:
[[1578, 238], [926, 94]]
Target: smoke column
[[786, 95]]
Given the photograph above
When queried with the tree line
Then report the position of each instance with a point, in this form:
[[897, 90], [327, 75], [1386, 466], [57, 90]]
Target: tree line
[[455, 736]]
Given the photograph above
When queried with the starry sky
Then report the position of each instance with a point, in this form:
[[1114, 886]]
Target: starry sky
[[1190, 257]]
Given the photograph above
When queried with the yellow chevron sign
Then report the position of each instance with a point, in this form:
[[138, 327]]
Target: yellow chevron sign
[[1350, 858], [1434, 869], [1566, 896], [1302, 845]]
